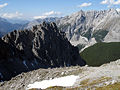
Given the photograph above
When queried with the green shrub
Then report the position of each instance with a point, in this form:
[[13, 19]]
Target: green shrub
[[101, 53]]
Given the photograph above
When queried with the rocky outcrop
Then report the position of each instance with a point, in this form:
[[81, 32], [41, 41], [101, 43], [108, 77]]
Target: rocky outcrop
[[43, 46]]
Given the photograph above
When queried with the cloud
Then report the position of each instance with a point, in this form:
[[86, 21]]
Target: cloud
[[105, 2], [85, 5], [52, 13], [111, 2], [12, 15], [37, 17], [3, 5], [48, 14], [117, 2]]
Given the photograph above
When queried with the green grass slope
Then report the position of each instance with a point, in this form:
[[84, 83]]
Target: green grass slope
[[101, 53]]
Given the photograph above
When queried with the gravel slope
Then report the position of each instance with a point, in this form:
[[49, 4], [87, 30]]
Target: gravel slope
[[89, 77]]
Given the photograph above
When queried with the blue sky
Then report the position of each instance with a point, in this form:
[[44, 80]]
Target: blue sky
[[33, 9]]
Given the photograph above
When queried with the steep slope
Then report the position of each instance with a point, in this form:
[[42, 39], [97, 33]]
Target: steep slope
[[43, 46], [83, 26], [101, 53]]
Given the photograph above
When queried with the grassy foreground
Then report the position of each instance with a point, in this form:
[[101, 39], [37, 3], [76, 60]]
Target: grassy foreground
[[115, 86]]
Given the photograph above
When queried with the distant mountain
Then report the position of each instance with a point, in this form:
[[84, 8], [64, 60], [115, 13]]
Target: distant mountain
[[39, 21], [101, 53], [43, 46], [6, 26], [18, 21]]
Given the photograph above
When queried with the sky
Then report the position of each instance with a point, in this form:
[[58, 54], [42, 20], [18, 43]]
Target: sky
[[34, 9]]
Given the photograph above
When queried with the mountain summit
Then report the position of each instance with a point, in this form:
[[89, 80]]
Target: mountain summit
[[43, 46]]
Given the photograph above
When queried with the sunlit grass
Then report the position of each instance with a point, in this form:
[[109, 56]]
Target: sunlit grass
[[88, 82], [115, 86]]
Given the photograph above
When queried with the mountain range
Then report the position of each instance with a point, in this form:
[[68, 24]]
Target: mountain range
[[6, 26], [83, 28], [88, 27]]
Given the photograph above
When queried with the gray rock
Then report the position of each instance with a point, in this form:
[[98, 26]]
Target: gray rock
[[101, 25]]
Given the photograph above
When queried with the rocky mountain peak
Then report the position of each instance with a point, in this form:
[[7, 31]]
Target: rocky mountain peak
[[102, 25], [43, 46]]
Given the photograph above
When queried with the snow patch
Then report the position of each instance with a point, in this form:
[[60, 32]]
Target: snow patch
[[32, 64], [24, 62], [1, 75], [62, 73], [62, 81]]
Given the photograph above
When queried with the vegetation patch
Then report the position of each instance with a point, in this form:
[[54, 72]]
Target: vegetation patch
[[115, 86], [88, 34], [100, 35], [34, 89], [55, 88], [101, 53], [84, 82], [88, 82], [100, 80]]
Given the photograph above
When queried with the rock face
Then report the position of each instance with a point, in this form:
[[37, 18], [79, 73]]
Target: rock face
[[43, 46], [103, 26]]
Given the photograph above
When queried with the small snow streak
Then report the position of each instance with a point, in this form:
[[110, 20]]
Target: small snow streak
[[24, 62]]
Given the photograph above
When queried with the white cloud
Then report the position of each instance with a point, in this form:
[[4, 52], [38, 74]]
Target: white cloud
[[117, 2], [37, 17], [111, 2], [48, 14], [85, 5], [12, 15], [3, 5], [104, 2], [52, 13]]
